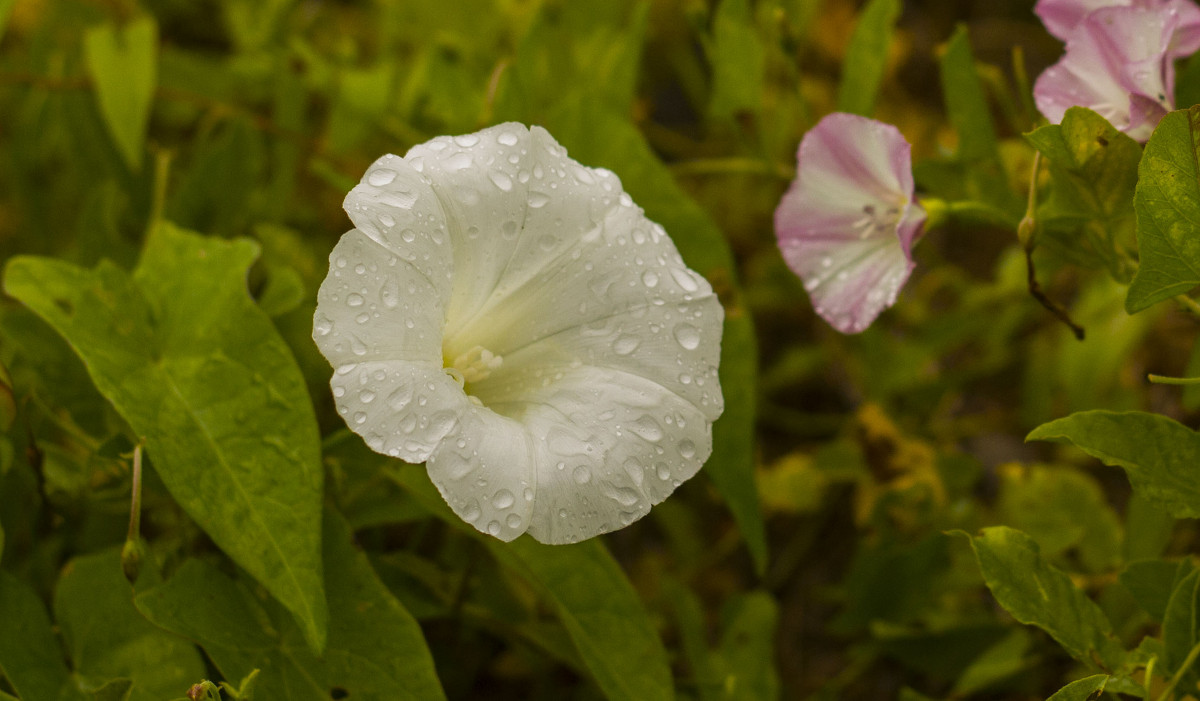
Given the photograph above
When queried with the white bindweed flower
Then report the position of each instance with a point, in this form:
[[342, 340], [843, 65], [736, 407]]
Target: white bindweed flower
[[511, 318]]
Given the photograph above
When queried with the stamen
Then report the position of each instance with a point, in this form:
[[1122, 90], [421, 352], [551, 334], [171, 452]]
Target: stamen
[[476, 364]]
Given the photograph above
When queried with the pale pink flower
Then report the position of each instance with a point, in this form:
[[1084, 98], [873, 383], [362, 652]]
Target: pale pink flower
[[1063, 17], [848, 223], [1118, 63]]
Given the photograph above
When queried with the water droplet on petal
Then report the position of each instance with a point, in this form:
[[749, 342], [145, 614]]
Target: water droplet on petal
[[507, 139], [634, 469], [381, 176], [582, 475], [687, 448], [513, 521], [538, 199], [401, 396], [494, 527], [408, 235], [509, 229], [366, 396], [503, 499], [647, 428], [387, 220], [688, 336], [466, 140], [458, 161], [684, 279], [389, 293], [663, 471], [323, 325], [501, 180], [650, 278], [562, 513], [626, 344], [354, 299], [472, 513], [360, 417]]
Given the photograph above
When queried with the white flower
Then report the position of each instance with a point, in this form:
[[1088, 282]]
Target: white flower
[[512, 319]]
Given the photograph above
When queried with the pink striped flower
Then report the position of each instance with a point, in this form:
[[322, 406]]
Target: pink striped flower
[[1120, 63], [848, 223], [1063, 17]]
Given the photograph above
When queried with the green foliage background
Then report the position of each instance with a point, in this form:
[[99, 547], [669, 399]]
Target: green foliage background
[[871, 523]]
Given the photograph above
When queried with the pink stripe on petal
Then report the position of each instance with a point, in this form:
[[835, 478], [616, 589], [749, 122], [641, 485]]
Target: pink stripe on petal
[[847, 224]]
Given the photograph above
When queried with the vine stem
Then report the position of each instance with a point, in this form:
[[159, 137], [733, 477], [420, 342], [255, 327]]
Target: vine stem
[[135, 503], [1188, 303], [1187, 663], [1025, 234], [1163, 380]]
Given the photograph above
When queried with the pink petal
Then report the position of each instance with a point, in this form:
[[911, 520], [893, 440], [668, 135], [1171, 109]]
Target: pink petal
[[1117, 55], [847, 224]]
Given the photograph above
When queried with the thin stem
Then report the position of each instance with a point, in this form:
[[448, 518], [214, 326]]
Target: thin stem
[[162, 170], [135, 504], [1163, 380], [1025, 235], [1188, 303], [1183, 668]]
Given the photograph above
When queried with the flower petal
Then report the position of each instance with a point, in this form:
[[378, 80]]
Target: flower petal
[[395, 206], [848, 223], [609, 445], [400, 409], [623, 300], [484, 469], [370, 294], [1062, 17], [1116, 54]]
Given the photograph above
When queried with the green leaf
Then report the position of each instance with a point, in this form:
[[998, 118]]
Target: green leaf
[[1093, 169], [108, 639], [1037, 593], [866, 57], [590, 594], [1086, 689], [1160, 455], [1151, 582], [1181, 627], [968, 111], [738, 61], [122, 62], [6, 7], [30, 657], [731, 467], [747, 650], [376, 649], [116, 690], [601, 612], [1168, 206], [195, 367]]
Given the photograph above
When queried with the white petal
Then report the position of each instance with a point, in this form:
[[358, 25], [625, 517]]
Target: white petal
[[609, 446], [374, 305], [400, 409], [484, 470], [395, 206], [623, 300]]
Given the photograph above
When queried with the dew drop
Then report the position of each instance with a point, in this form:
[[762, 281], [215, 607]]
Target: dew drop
[[494, 527], [687, 449], [381, 176], [647, 428], [357, 346], [389, 293], [626, 344], [513, 521], [509, 229], [501, 180], [472, 513], [401, 396], [623, 496], [562, 513], [408, 235], [366, 396], [582, 475], [502, 499], [354, 299], [538, 199], [684, 279], [323, 325], [458, 161], [507, 139], [387, 220], [663, 471], [634, 469], [528, 494], [360, 417], [466, 140], [650, 278], [688, 336]]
